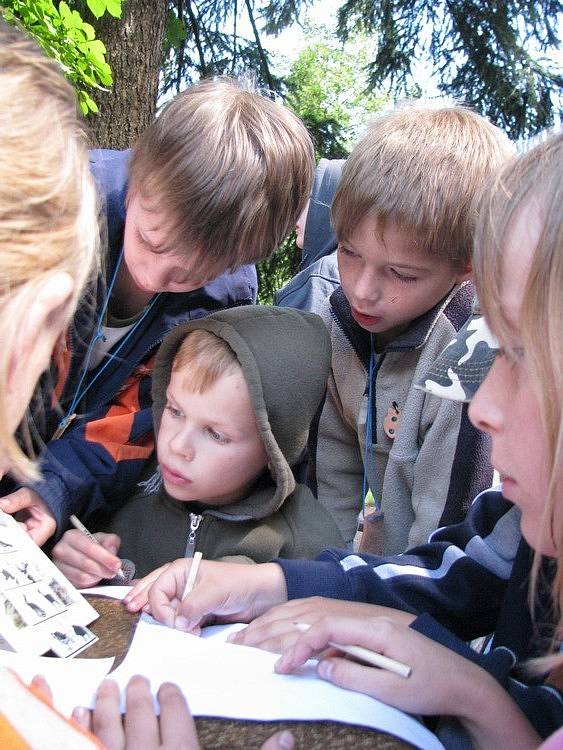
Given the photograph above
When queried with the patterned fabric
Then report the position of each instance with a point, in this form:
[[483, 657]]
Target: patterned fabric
[[463, 365]]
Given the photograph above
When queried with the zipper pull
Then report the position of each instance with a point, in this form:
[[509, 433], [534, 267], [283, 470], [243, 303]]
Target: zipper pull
[[195, 520]]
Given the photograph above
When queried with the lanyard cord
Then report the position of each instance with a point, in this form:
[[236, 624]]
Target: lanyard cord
[[99, 335], [369, 427]]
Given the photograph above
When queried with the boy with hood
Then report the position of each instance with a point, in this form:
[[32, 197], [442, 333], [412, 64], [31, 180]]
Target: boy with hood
[[318, 275], [232, 414]]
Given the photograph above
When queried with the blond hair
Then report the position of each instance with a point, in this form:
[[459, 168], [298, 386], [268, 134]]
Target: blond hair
[[534, 178], [204, 358], [421, 167], [229, 168], [47, 197]]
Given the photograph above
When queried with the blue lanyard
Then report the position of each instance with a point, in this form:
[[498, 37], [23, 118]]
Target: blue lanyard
[[98, 336], [368, 433]]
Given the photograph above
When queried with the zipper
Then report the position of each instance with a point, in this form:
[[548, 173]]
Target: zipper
[[195, 520]]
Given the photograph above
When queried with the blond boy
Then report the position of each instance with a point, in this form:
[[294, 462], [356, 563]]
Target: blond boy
[[232, 416], [404, 221], [215, 183]]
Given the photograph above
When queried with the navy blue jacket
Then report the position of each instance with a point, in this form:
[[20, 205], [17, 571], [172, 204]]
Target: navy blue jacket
[[470, 580], [98, 461]]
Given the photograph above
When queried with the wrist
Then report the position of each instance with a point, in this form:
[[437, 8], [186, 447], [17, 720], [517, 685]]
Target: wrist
[[490, 716], [271, 585]]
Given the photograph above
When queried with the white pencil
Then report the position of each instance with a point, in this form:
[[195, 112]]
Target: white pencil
[[192, 574], [365, 655]]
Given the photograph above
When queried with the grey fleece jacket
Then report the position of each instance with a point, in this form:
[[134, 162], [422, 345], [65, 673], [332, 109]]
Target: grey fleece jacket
[[318, 276], [428, 473], [285, 357]]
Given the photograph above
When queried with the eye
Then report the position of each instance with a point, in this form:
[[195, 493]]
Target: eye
[[402, 276], [218, 437], [346, 252], [176, 413]]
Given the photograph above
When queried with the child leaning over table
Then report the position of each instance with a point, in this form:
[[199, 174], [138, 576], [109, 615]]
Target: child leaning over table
[[231, 411], [404, 222]]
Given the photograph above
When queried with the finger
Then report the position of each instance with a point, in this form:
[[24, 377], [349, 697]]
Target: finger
[[141, 723], [78, 577], [78, 551], [353, 676], [110, 542], [17, 500], [40, 684], [276, 636], [280, 741], [177, 727], [165, 591], [83, 717], [106, 717], [139, 593]]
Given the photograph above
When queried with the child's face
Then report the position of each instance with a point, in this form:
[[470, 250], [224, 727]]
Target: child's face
[[388, 280], [153, 266], [208, 444], [506, 405]]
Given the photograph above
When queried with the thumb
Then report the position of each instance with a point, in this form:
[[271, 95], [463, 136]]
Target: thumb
[[111, 542], [280, 741]]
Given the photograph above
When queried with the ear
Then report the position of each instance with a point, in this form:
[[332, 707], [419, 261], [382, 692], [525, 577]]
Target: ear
[[465, 274], [41, 324]]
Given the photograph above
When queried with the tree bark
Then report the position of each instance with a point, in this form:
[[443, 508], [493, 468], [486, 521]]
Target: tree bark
[[134, 45]]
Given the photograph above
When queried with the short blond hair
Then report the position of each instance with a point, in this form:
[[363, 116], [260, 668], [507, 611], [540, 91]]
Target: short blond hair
[[421, 168], [47, 197], [533, 177], [203, 358], [230, 169]]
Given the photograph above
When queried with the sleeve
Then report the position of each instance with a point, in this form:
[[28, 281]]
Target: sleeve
[[94, 467], [541, 703], [443, 488], [459, 576]]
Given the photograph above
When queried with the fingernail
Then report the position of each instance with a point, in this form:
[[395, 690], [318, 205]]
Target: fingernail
[[324, 669], [286, 740], [280, 663], [181, 623], [80, 715]]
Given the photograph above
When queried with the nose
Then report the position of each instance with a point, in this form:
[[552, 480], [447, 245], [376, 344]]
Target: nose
[[367, 287], [486, 410], [182, 444]]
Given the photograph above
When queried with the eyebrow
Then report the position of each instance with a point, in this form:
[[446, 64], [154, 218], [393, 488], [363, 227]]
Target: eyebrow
[[409, 266]]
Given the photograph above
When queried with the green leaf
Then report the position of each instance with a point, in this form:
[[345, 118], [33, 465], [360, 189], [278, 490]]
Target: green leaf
[[113, 7], [98, 7]]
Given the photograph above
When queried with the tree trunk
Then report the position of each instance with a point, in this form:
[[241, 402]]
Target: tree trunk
[[134, 51]]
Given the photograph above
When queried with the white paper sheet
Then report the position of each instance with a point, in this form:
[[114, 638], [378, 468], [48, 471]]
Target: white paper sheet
[[111, 592], [226, 680], [73, 681]]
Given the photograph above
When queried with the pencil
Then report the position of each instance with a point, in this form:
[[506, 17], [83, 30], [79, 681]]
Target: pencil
[[365, 655], [77, 523], [192, 574]]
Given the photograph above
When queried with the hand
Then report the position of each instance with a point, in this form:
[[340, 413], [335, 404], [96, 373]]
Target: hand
[[275, 630], [140, 727], [33, 513], [442, 682], [223, 592], [84, 562], [138, 597]]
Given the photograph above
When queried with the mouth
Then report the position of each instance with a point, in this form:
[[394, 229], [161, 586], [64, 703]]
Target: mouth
[[366, 321], [173, 477]]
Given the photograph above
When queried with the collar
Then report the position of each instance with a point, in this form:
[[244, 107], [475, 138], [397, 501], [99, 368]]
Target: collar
[[456, 306]]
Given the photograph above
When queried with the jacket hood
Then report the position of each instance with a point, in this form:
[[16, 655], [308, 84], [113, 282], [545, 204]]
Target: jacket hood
[[285, 358], [319, 238]]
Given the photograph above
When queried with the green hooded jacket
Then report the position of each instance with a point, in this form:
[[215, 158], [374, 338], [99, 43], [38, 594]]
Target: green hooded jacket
[[285, 358]]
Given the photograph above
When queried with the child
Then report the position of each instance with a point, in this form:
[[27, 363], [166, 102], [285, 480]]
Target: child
[[216, 182], [232, 414], [402, 216], [471, 578], [318, 274]]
